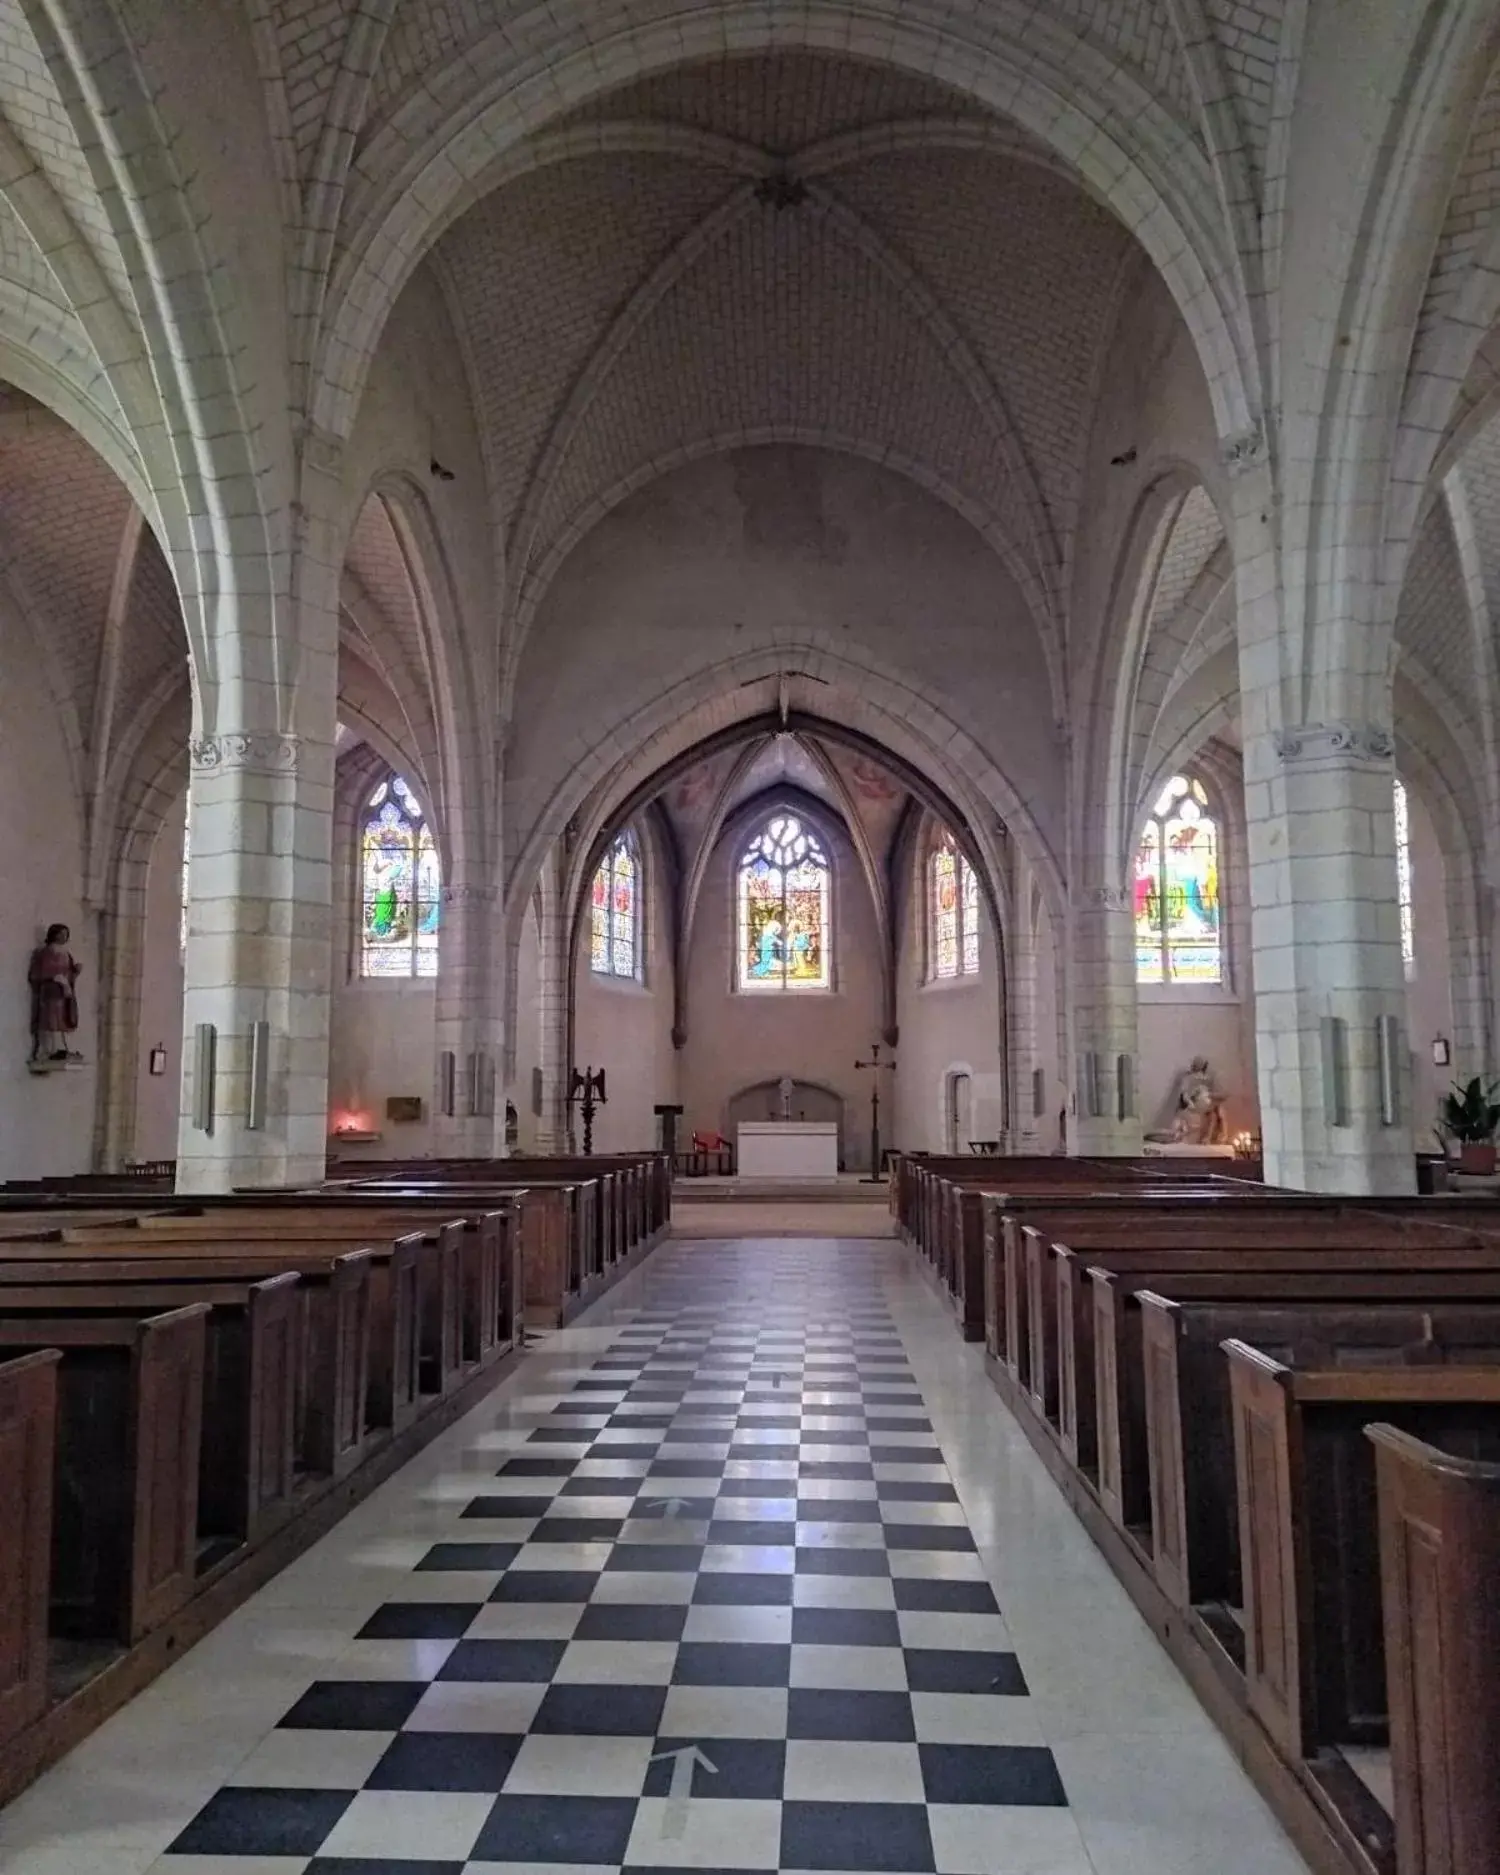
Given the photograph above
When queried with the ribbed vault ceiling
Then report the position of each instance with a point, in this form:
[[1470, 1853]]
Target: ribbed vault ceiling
[[939, 299]]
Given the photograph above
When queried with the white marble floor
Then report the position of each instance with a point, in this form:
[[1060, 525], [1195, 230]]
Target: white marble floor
[[1146, 1785]]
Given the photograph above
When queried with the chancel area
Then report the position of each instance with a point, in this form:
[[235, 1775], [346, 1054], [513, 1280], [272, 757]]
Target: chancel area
[[750, 759]]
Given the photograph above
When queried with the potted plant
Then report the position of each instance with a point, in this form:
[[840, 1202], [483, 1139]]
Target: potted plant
[[1470, 1115]]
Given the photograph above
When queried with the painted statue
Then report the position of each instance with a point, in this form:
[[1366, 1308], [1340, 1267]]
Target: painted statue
[[1199, 1120], [53, 976]]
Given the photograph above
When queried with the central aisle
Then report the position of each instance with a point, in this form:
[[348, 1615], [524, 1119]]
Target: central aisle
[[697, 1588]]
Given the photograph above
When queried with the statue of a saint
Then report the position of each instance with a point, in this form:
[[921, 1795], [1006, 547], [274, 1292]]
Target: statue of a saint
[[1199, 1120], [54, 999], [785, 1087]]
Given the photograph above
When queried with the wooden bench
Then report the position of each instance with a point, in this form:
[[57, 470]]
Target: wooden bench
[[124, 1546], [1194, 1531], [1041, 1294], [1315, 1669], [248, 1471], [28, 1441], [1104, 1394], [333, 1337], [1440, 1601], [466, 1270], [429, 1288]]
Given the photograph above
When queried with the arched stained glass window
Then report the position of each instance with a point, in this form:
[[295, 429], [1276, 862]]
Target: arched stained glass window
[[783, 909], [1403, 881], [401, 899], [953, 913], [1177, 928], [615, 928]]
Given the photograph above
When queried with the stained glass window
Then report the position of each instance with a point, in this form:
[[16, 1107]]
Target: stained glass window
[[1403, 882], [1177, 934], [783, 922], [615, 912], [953, 902], [401, 899]]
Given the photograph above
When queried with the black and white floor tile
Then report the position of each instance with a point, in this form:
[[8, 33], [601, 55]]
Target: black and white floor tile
[[699, 1592]]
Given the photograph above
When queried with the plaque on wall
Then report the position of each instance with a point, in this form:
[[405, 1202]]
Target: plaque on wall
[[402, 1109]]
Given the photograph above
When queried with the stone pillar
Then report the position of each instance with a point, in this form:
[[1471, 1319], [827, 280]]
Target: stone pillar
[[1326, 932], [554, 995], [1102, 1023], [468, 1026], [258, 950], [1020, 1003]]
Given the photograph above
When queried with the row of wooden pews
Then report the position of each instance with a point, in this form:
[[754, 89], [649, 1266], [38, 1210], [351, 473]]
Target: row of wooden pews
[[1278, 1415], [193, 1390]]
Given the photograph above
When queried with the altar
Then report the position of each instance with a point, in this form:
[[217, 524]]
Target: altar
[[787, 1149]]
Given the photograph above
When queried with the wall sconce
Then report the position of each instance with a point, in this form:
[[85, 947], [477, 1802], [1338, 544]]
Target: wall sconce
[[156, 1062], [1442, 1054]]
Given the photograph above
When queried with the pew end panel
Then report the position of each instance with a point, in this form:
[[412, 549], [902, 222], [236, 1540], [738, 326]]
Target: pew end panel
[[28, 1438], [1440, 1579]]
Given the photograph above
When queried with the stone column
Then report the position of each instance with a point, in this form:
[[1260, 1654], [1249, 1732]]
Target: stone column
[[258, 950], [468, 1025], [1102, 1022], [1326, 933], [553, 993], [1020, 1002]]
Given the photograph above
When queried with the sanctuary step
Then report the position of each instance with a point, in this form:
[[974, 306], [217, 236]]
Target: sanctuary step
[[848, 1188]]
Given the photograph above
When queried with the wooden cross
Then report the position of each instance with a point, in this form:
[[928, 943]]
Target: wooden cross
[[875, 1064]]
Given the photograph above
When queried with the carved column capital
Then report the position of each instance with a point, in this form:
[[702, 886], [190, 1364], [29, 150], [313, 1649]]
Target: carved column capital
[[1342, 741], [1244, 449], [266, 754]]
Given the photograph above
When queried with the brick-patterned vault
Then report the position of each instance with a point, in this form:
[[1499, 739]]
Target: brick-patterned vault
[[786, 248]]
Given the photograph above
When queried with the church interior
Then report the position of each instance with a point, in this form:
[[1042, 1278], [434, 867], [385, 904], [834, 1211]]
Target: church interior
[[752, 776]]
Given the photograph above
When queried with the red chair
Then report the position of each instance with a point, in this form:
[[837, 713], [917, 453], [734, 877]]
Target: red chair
[[711, 1153]]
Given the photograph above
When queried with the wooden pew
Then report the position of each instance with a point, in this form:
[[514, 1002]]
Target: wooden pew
[[28, 1440], [1314, 1643], [333, 1334], [124, 1548], [1440, 1599], [1042, 1298], [70, 1293], [247, 1471], [559, 1230], [1194, 1531], [1106, 1392]]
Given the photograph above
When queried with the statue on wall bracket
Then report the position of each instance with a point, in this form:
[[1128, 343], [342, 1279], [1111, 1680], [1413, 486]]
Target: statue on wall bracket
[[53, 976]]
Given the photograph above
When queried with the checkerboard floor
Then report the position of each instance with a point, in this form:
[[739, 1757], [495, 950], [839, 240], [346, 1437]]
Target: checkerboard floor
[[717, 1606]]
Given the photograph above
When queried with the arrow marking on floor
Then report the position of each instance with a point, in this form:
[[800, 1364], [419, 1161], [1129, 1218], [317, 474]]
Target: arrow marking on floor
[[684, 1762]]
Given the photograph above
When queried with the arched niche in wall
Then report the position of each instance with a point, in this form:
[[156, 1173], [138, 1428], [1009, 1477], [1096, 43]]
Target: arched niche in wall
[[810, 1100]]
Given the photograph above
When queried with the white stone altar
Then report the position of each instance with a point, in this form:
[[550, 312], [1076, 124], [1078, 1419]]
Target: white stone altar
[[788, 1149]]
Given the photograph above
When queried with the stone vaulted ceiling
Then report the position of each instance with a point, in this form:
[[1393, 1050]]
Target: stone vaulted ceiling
[[937, 299]]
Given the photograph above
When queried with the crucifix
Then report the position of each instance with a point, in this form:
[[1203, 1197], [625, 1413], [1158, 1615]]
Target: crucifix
[[875, 1064]]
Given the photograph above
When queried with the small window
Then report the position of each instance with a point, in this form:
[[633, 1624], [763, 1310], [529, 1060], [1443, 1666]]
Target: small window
[[953, 913], [1177, 934], [401, 899], [1403, 882], [783, 909], [615, 929]]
